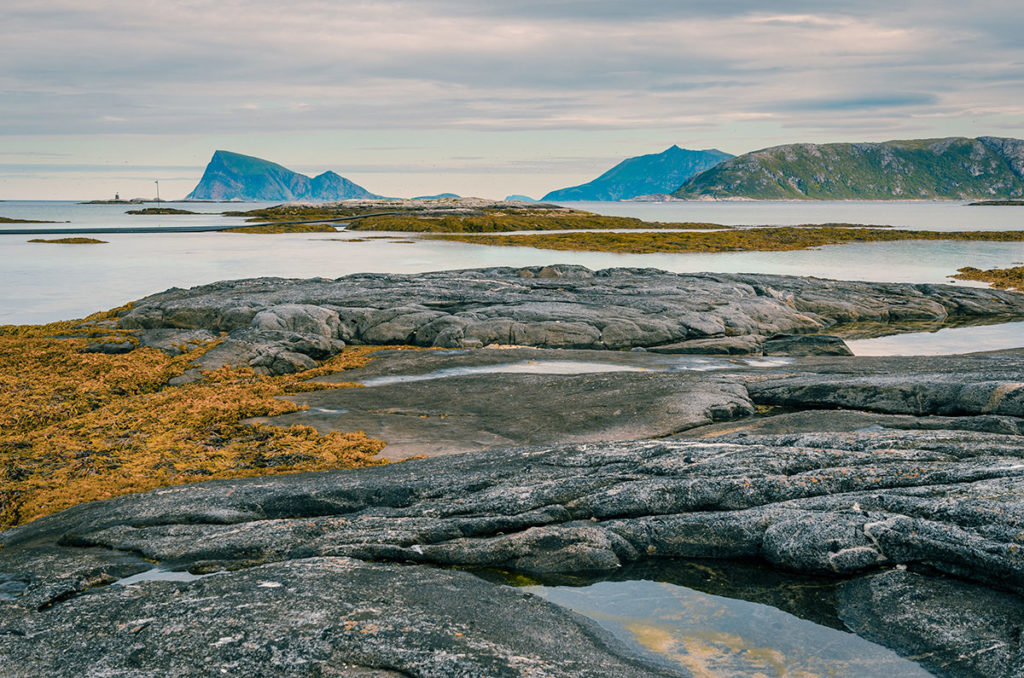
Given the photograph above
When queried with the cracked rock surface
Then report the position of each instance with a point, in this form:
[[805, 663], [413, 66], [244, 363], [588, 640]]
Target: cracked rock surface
[[899, 480], [279, 325], [841, 504]]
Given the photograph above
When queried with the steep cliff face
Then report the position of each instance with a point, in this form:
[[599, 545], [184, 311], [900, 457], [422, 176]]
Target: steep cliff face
[[643, 175], [233, 176], [954, 168]]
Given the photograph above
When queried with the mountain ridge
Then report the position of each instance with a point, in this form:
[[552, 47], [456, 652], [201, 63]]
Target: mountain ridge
[[643, 175], [234, 176], [958, 168]]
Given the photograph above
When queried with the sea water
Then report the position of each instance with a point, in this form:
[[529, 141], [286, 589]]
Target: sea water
[[44, 282]]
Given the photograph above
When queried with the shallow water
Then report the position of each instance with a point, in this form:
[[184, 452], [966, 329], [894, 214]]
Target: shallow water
[[44, 282], [938, 215], [72, 214], [567, 367], [944, 341], [718, 619], [159, 574]]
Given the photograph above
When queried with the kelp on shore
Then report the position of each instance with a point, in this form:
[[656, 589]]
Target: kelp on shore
[[78, 427]]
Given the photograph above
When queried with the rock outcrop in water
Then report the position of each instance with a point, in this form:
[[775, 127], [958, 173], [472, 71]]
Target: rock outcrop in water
[[917, 507], [233, 176], [282, 325]]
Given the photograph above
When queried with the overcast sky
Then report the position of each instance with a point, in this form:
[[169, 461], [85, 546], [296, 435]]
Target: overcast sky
[[478, 97]]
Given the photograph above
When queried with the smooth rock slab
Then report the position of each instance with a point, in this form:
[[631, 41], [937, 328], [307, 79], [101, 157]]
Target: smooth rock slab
[[443, 402], [957, 629], [842, 504], [556, 307], [312, 617]]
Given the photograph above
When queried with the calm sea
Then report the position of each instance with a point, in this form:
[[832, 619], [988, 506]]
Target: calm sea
[[43, 282]]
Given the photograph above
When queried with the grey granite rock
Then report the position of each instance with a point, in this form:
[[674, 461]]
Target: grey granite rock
[[442, 402], [845, 504], [748, 344], [561, 307], [336, 573], [940, 385], [958, 630], [796, 345], [311, 617]]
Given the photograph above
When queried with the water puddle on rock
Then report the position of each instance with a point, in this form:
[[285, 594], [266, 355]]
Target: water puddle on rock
[[570, 367], [948, 340], [159, 574], [325, 410], [11, 587], [724, 620]]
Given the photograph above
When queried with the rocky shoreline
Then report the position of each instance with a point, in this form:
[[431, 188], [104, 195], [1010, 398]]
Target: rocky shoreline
[[901, 480], [284, 325]]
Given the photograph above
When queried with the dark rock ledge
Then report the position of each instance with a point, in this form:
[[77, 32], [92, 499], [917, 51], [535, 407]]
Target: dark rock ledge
[[309, 587], [900, 478], [280, 325]]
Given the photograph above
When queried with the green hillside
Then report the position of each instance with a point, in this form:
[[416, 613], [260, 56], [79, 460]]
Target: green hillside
[[921, 169], [643, 175]]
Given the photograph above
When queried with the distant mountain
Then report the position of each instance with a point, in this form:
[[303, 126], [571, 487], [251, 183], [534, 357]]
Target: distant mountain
[[233, 176], [919, 169], [645, 174], [517, 197], [439, 196]]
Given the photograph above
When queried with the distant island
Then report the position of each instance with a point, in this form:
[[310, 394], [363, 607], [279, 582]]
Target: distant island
[[9, 220], [643, 175], [955, 168], [439, 196], [233, 176], [516, 197], [160, 210]]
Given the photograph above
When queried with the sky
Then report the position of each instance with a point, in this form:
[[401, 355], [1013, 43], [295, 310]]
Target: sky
[[476, 97]]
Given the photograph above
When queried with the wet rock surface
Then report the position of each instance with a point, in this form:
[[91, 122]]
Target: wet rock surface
[[554, 307], [958, 629], [901, 480], [437, 402], [844, 504], [442, 402], [311, 617]]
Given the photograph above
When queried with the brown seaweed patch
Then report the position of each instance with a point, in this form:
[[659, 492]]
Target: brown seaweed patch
[[283, 228], [160, 211], [78, 427], [508, 221], [774, 238], [1001, 278], [8, 220], [70, 241]]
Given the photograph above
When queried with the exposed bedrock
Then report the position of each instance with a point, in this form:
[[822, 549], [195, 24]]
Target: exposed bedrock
[[438, 402], [556, 306], [990, 384], [840, 504], [312, 617]]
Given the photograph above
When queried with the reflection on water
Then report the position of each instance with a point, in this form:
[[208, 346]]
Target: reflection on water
[[717, 619], [43, 283], [159, 574], [568, 367], [932, 215], [71, 214], [944, 341], [524, 367]]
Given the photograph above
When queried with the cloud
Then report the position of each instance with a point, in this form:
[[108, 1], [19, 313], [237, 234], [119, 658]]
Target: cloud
[[863, 102], [601, 74]]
